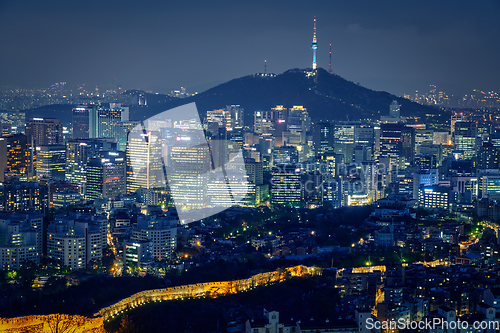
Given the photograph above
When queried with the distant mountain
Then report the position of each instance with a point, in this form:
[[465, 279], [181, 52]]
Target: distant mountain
[[326, 96]]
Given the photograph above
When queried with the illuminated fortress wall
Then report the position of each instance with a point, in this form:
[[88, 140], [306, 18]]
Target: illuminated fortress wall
[[52, 323], [82, 324], [210, 289]]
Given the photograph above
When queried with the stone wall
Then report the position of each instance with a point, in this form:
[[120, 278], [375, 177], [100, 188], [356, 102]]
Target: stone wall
[[210, 289], [367, 269], [52, 323], [80, 324]]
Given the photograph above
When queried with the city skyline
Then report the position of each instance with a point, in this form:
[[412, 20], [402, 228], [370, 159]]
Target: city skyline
[[396, 48], [344, 177]]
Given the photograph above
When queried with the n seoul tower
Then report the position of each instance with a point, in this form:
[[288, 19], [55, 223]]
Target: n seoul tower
[[314, 45]]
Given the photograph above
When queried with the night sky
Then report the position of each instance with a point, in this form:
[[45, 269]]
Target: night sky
[[397, 46]]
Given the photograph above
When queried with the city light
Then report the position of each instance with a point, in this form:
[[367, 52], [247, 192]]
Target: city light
[[126, 195]]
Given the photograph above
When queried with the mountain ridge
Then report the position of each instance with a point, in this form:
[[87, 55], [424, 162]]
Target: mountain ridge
[[326, 96]]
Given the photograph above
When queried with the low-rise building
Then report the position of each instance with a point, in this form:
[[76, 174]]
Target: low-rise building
[[77, 241], [435, 197], [66, 198], [160, 231], [20, 239], [137, 253]]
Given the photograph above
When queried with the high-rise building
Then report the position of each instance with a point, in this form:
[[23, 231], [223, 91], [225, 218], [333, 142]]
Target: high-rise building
[[219, 146], [312, 187], [323, 137], [464, 138], [125, 112], [467, 189], [327, 165], [266, 145], [405, 185], [124, 128], [454, 118], [361, 154], [144, 161], [190, 166], [424, 137], [81, 121], [51, 162], [264, 121], [429, 178], [397, 142], [220, 117], [344, 139], [217, 120], [408, 144], [107, 122], [230, 117], [15, 157], [267, 121], [44, 131], [286, 185], [495, 139], [488, 156], [106, 176], [365, 136], [111, 122], [390, 151], [237, 115], [236, 137], [369, 177], [254, 171], [298, 124], [79, 152]]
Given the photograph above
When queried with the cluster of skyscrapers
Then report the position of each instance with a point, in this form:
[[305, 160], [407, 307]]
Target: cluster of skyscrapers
[[280, 158], [341, 163]]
